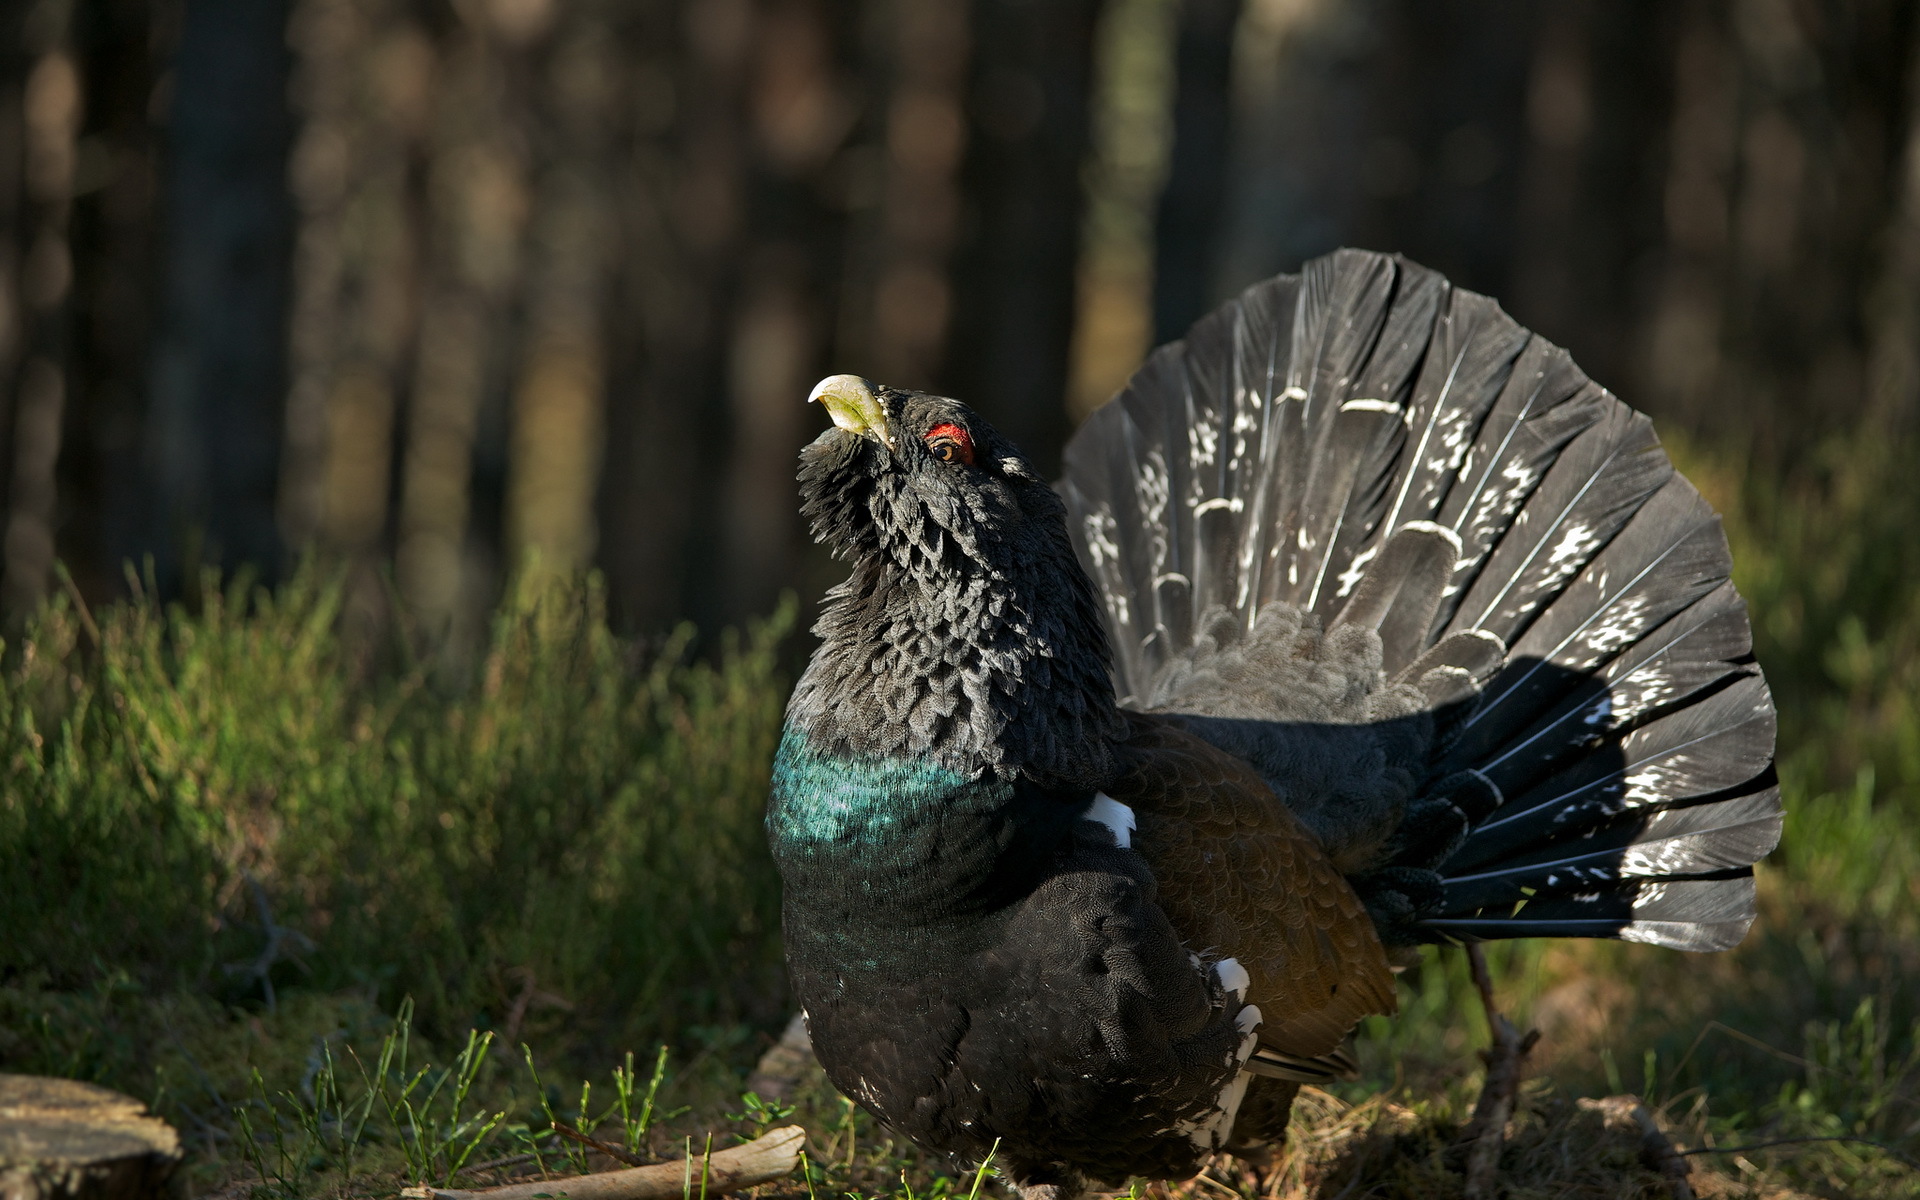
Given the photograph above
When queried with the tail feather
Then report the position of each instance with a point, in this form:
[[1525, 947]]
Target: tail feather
[[1703, 645], [1718, 836], [1546, 404], [1398, 597], [1368, 444], [1468, 364], [1692, 753], [1593, 488], [1683, 914]]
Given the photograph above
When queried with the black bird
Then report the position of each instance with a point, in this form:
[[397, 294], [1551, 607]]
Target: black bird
[[1361, 619]]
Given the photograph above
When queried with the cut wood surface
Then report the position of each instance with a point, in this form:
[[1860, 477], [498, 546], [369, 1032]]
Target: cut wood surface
[[772, 1156], [65, 1140]]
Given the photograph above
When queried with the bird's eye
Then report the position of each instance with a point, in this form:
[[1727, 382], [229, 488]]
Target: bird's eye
[[950, 444]]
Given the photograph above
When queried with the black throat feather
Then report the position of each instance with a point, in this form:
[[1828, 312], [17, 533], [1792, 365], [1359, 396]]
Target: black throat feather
[[967, 634]]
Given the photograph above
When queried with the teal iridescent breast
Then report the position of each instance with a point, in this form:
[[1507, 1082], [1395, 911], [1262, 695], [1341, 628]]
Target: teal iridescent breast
[[821, 801]]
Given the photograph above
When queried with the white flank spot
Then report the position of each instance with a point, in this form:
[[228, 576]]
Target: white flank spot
[[1117, 817], [1379, 406], [1213, 1130], [1232, 976], [1294, 393]]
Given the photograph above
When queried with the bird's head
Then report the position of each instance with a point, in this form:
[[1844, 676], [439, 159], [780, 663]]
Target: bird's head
[[968, 632], [924, 481]]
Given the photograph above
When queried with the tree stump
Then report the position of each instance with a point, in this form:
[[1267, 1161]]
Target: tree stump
[[63, 1140]]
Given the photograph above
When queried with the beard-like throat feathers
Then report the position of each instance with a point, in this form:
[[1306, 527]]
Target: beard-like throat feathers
[[965, 637]]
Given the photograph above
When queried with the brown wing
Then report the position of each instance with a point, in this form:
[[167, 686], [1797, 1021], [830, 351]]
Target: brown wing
[[1240, 876]]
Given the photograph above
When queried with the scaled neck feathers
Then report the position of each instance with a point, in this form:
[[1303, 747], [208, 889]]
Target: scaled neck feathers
[[982, 667]]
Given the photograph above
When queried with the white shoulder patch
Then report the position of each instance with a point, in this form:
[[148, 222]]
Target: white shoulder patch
[[1117, 817]]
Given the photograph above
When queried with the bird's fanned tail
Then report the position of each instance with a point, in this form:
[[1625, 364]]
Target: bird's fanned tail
[[1365, 443]]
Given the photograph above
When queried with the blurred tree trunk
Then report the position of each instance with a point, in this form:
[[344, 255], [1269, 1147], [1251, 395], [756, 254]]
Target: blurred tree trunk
[[478, 200], [1782, 197], [1132, 97], [1395, 125], [1014, 267], [119, 43], [1599, 90], [554, 449], [681, 199], [900, 290], [1893, 375], [212, 439], [801, 114], [1187, 231], [364, 87], [51, 112], [18, 35]]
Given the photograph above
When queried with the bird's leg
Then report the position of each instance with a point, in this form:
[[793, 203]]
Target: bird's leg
[[1506, 1059]]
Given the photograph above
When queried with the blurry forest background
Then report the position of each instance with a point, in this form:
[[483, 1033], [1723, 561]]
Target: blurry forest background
[[436, 283], [377, 301]]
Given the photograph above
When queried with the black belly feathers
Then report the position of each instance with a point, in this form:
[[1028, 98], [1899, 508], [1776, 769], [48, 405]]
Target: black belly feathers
[[1439, 609]]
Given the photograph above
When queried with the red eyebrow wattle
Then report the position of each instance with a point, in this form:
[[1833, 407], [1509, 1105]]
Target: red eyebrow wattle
[[953, 433]]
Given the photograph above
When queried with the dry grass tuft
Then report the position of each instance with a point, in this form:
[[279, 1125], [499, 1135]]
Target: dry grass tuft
[[1381, 1149]]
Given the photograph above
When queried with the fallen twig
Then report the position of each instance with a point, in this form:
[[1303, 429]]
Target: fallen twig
[[593, 1143], [498, 1164], [767, 1158], [1506, 1059]]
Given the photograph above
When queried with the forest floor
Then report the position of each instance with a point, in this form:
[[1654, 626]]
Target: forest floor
[[352, 916]]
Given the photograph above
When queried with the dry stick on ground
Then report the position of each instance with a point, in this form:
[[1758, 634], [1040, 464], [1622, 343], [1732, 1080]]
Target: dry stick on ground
[[1506, 1059], [768, 1158], [593, 1143]]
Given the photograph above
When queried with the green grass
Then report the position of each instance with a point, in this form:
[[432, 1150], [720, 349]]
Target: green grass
[[237, 841], [575, 829]]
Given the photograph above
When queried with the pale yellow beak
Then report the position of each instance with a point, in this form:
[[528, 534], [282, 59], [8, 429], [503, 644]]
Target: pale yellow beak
[[853, 405]]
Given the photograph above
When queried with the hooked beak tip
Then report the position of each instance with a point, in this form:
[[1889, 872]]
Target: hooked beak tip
[[854, 405]]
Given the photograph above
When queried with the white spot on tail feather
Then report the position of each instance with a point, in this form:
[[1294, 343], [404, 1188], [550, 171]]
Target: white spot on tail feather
[[1357, 569], [1117, 817], [1379, 406], [1103, 547], [1203, 442]]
